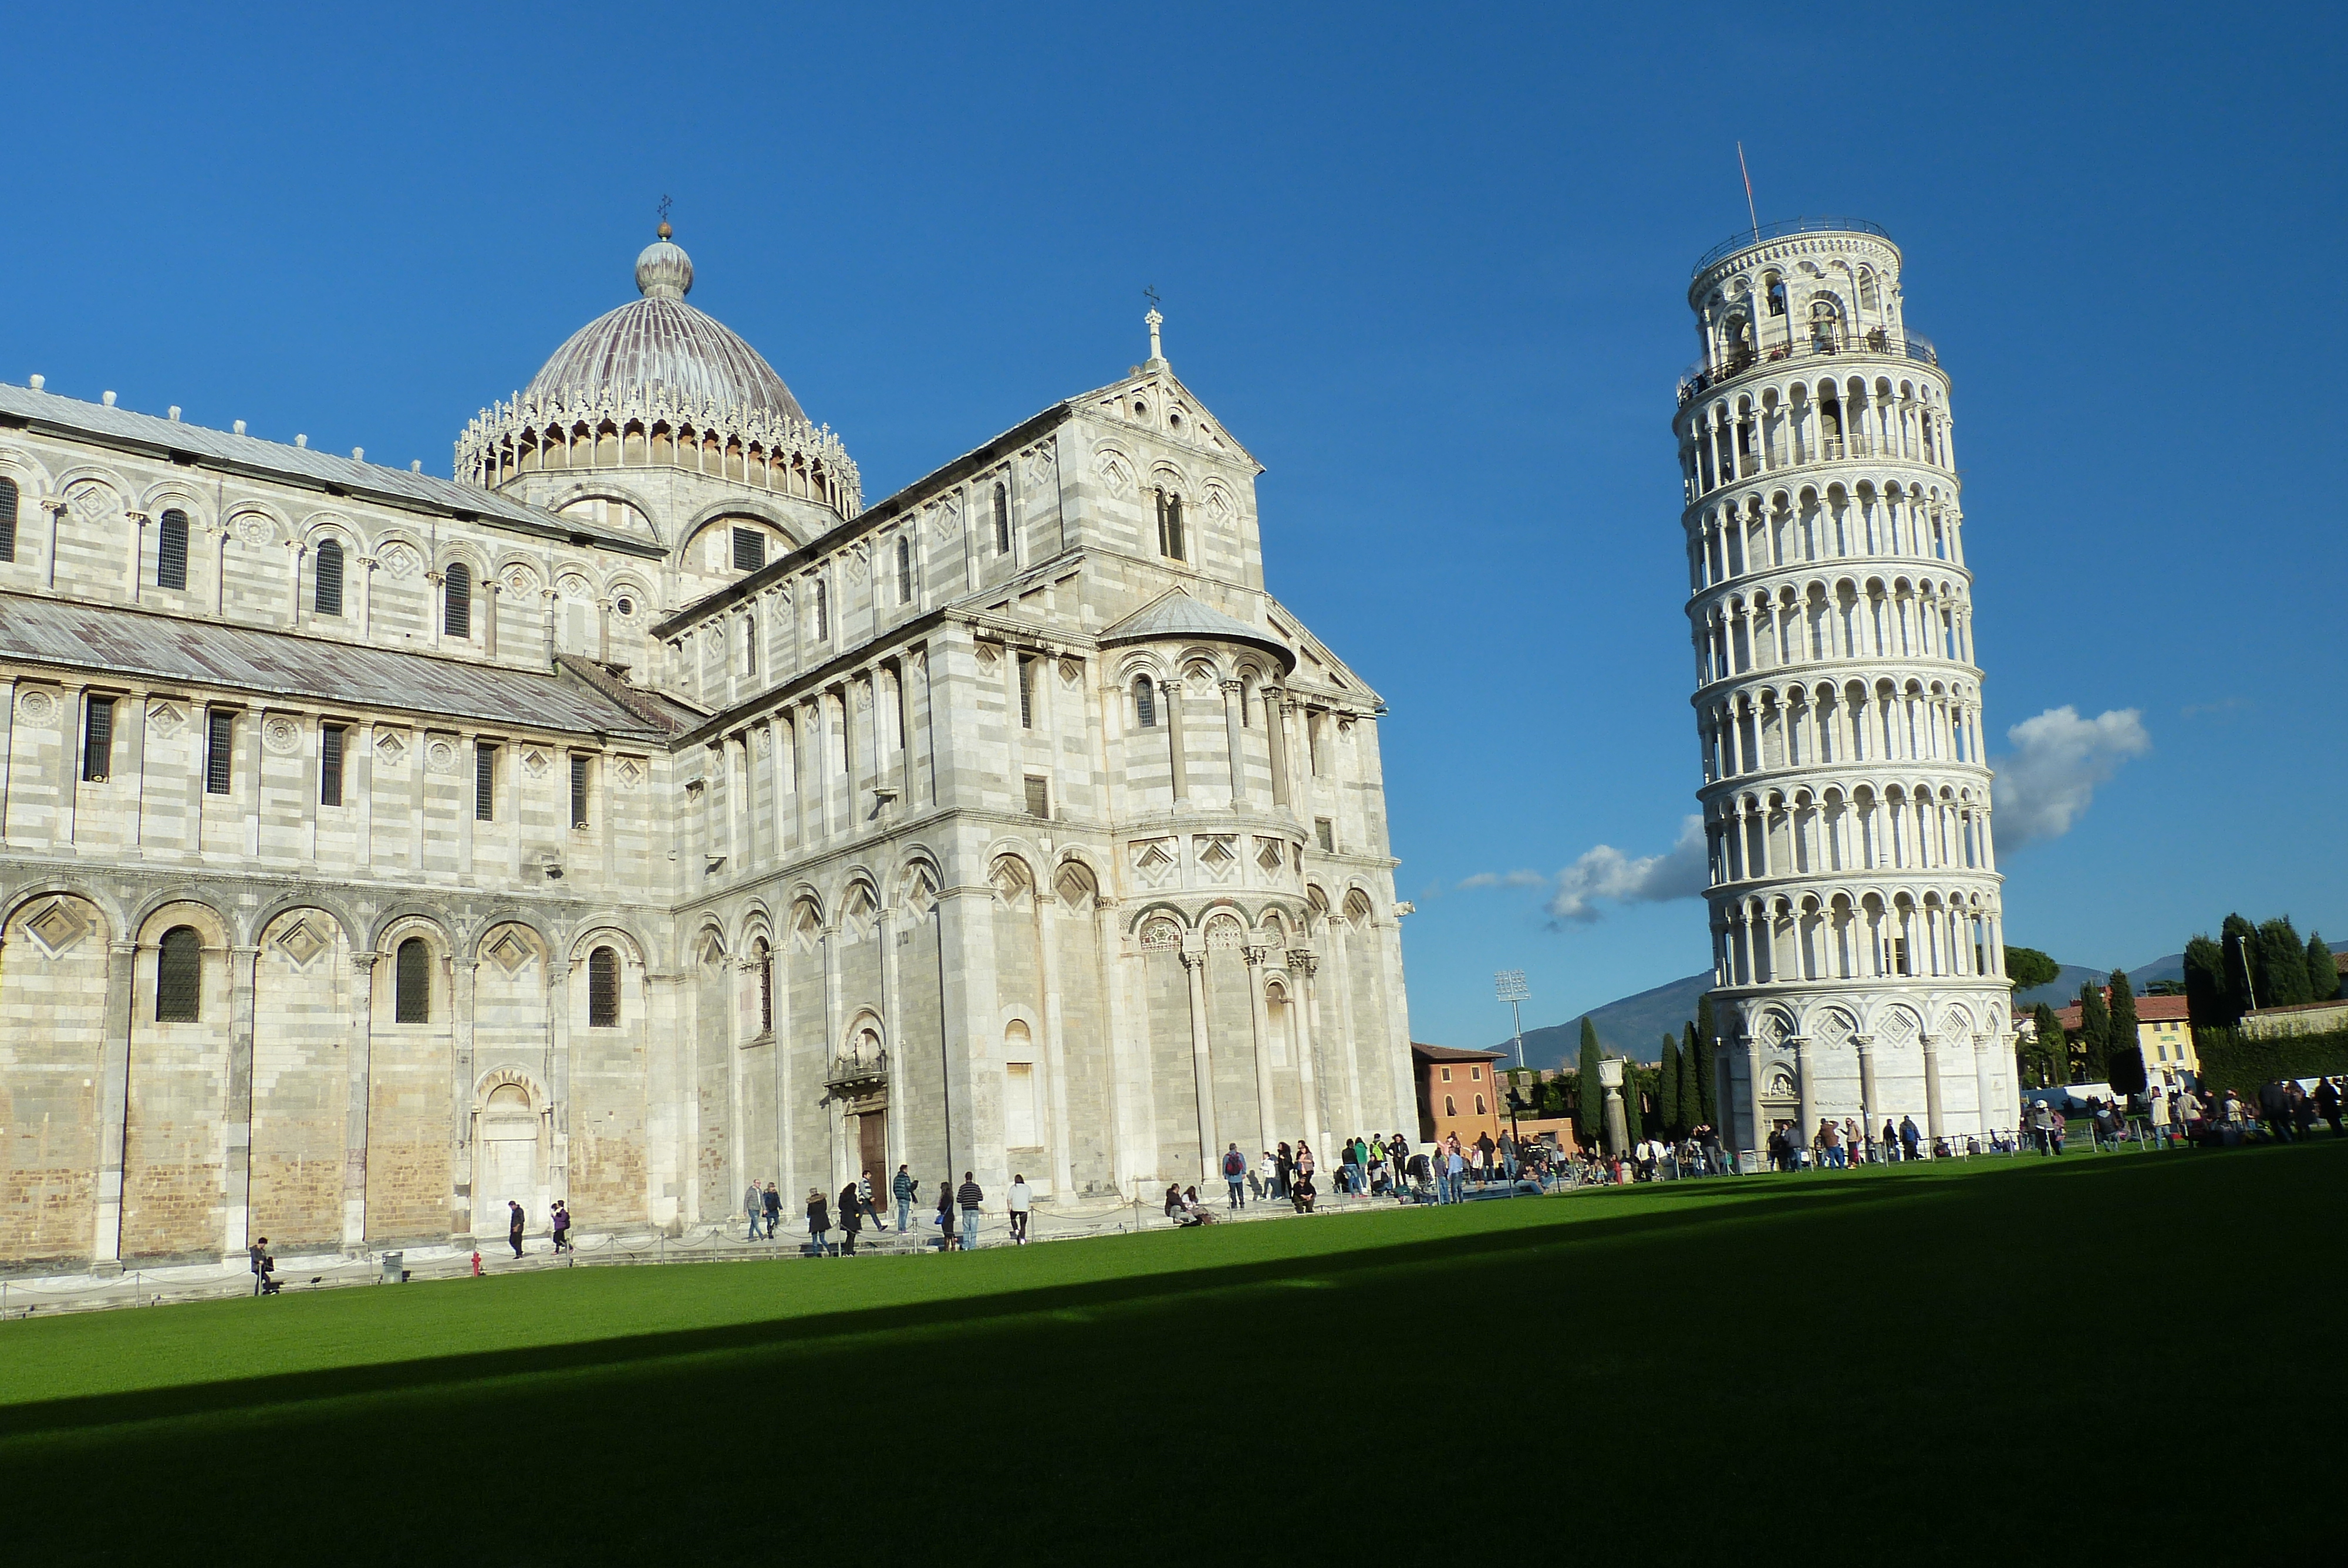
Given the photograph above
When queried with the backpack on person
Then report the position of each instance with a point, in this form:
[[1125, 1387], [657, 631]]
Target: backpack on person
[[1234, 1165]]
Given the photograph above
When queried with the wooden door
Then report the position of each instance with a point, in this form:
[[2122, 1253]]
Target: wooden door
[[872, 1151]]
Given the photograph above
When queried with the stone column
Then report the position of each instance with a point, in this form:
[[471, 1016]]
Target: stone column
[[1056, 1059], [55, 507], [1302, 962], [1275, 730], [1617, 1130], [138, 521], [1867, 1100], [1232, 690], [492, 590], [1933, 1121], [236, 1108], [1194, 960], [1760, 1138], [1804, 1062], [1261, 1022], [113, 1106], [355, 1104], [1172, 691], [464, 1146]]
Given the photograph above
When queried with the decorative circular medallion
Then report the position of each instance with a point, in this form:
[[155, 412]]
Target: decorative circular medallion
[[281, 735], [36, 705], [440, 756]]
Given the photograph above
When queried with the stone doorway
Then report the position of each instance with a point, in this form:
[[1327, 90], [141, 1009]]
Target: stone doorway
[[507, 1161], [872, 1151]]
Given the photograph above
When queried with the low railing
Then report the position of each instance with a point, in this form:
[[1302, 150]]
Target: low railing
[[1745, 238], [1783, 455], [1704, 375]]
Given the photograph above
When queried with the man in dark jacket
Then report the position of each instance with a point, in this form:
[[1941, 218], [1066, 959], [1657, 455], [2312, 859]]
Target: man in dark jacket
[[1908, 1137], [968, 1197], [904, 1189], [2274, 1109]]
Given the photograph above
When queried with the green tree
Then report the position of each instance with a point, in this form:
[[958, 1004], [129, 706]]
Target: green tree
[[1635, 1086], [2322, 974], [1592, 1116], [2245, 987], [2125, 1068], [2094, 1031], [2282, 962], [2029, 969], [2209, 997], [2050, 1055], [1667, 1086]]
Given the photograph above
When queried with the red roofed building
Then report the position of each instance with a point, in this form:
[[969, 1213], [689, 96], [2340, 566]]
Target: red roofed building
[[1458, 1091], [2162, 1028]]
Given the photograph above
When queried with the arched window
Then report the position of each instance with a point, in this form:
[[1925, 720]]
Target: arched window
[[1826, 326], [329, 598], [457, 590], [179, 976], [904, 569], [1144, 703], [1868, 299], [171, 549], [822, 611], [604, 988], [750, 644], [1479, 1105], [1774, 288], [1169, 526], [765, 988], [1002, 521], [1450, 1106], [9, 501], [411, 989]]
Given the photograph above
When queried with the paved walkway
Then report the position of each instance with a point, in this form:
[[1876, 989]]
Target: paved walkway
[[36, 1296]]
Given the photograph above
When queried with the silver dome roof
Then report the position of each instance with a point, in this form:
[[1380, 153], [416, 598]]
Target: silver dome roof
[[659, 341]]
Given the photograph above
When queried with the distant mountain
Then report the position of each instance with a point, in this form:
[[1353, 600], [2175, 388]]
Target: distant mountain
[[1633, 1026]]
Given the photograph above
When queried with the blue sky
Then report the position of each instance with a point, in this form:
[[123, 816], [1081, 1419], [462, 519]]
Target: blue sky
[[1430, 264]]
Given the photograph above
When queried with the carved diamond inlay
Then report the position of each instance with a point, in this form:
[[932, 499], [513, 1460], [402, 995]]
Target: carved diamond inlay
[[57, 927], [509, 951], [535, 763], [301, 943]]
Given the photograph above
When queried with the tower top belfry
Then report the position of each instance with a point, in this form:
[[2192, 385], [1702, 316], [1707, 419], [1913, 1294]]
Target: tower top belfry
[[1857, 941]]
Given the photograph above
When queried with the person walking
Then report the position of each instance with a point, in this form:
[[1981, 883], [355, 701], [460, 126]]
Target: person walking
[[818, 1221], [753, 1203], [1285, 1159], [865, 1196], [1021, 1197], [560, 1220], [1455, 1175], [1260, 1179], [945, 1216], [771, 1203], [852, 1218], [904, 1189], [515, 1220], [1398, 1152], [1908, 1137], [259, 1253], [969, 1197], [1235, 1177]]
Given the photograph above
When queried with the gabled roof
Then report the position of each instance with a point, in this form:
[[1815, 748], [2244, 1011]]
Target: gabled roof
[[98, 639], [1174, 615], [226, 452], [1158, 380]]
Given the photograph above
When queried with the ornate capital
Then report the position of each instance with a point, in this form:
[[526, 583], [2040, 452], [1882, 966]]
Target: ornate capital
[[1255, 954], [1303, 960]]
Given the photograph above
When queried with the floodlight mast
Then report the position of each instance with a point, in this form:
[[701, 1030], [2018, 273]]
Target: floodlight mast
[[1509, 985]]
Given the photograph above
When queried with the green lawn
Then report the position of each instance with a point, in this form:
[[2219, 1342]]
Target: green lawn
[[1917, 1360]]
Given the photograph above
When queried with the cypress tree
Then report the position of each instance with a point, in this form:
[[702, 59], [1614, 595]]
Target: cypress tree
[[2094, 1031], [2322, 974], [1667, 1087], [2206, 994], [2125, 1069], [1593, 1093], [1633, 1121], [2246, 987], [2282, 961]]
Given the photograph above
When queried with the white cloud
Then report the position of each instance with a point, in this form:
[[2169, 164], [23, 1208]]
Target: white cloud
[[1606, 876], [2058, 759]]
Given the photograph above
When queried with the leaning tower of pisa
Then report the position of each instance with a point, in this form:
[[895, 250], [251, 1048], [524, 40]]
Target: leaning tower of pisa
[[1858, 951]]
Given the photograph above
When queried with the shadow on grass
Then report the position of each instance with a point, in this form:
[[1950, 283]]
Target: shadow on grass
[[1812, 1360], [1660, 1214]]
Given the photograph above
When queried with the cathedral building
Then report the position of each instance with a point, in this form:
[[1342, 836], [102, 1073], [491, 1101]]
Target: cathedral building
[[1857, 941], [642, 815]]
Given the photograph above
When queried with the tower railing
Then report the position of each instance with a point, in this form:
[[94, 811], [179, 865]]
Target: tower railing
[[1745, 239], [1705, 374]]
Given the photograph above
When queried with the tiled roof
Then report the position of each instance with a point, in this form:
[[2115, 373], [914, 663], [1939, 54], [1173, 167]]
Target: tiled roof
[[1176, 615], [1453, 1053], [2148, 1009], [303, 466], [109, 640]]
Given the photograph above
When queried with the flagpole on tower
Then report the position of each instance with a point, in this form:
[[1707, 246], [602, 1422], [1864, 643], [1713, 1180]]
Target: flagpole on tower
[[1749, 212]]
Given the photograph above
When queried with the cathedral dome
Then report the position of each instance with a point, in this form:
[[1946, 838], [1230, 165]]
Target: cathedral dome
[[660, 343]]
